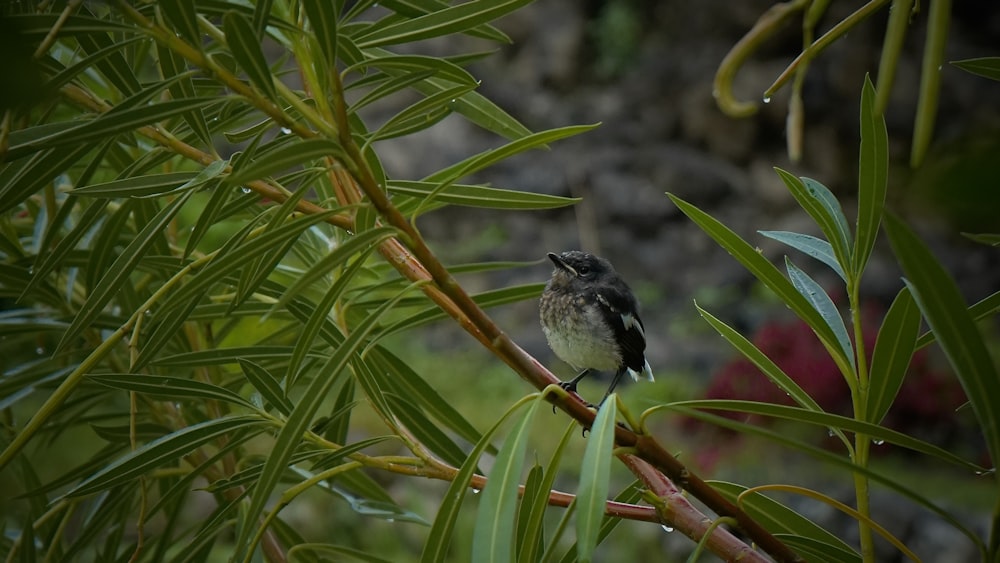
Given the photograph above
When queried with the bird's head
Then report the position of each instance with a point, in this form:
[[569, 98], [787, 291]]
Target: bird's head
[[574, 267]]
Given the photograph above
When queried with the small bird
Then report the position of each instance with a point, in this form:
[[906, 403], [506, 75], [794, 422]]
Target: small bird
[[590, 319]]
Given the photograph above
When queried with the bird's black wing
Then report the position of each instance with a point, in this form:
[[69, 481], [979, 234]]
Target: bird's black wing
[[619, 309]]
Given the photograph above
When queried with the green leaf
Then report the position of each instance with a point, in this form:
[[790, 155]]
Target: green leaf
[[630, 495], [173, 388], [987, 67], [835, 460], [182, 16], [766, 366], [323, 19], [409, 384], [108, 125], [824, 208], [978, 311], [873, 174], [532, 496], [595, 474], [283, 157], [489, 157], [769, 275], [454, 19], [480, 196], [267, 385], [473, 106], [819, 299], [136, 186], [493, 535], [819, 418], [533, 536], [777, 517], [941, 303], [221, 356], [815, 550], [245, 48], [421, 114], [897, 339], [118, 273], [164, 450], [319, 317], [222, 265], [418, 65], [18, 180], [114, 67], [485, 300], [298, 422], [809, 245], [338, 257], [989, 239], [424, 430], [414, 8], [296, 553], [436, 546]]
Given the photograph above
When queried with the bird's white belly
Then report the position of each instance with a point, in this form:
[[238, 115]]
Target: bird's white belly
[[581, 346]]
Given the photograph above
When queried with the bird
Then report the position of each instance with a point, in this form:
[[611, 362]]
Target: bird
[[591, 321]]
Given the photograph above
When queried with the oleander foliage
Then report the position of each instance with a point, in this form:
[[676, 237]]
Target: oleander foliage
[[203, 257]]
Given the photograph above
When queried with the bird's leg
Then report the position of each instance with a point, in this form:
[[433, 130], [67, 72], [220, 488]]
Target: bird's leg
[[614, 383], [572, 383]]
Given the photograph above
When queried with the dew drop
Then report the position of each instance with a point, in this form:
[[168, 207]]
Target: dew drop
[[286, 130], [40, 351], [878, 442], [245, 189], [831, 433], [767, 99], [475, 491], [666, 528]]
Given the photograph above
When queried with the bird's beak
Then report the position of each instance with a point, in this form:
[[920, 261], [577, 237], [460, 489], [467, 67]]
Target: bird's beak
[[560, 263]]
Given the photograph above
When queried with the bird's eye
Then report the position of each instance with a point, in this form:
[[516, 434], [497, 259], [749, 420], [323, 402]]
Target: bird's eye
[[583, 270]]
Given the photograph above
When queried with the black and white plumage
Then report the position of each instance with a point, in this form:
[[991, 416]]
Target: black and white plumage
[[590, 319]]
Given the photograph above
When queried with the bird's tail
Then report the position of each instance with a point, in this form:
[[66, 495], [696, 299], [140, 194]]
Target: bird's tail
[[646, 372]]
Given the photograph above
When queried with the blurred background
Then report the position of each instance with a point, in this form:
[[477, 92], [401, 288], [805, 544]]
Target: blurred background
[[645, 71]]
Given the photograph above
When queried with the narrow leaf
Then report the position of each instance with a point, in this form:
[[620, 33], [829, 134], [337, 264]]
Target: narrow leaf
[[817, 200], [897, 339], [819, 418], [245, 48], [941, 303], [168, 387], [454, 19], [291, 433], [811, 246], [267, 385], [439, 538], [762, 362], [818, 298], [987, 67], [284, 157], [493, 535], [182, 16], [595, 474], [164, 450], [480, 196], [323, 18], [769, 275], [777, 517], [873, 174], [119, 272], [148, 184]]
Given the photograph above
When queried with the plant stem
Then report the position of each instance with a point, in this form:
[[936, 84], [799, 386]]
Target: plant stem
[[862, 442]]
